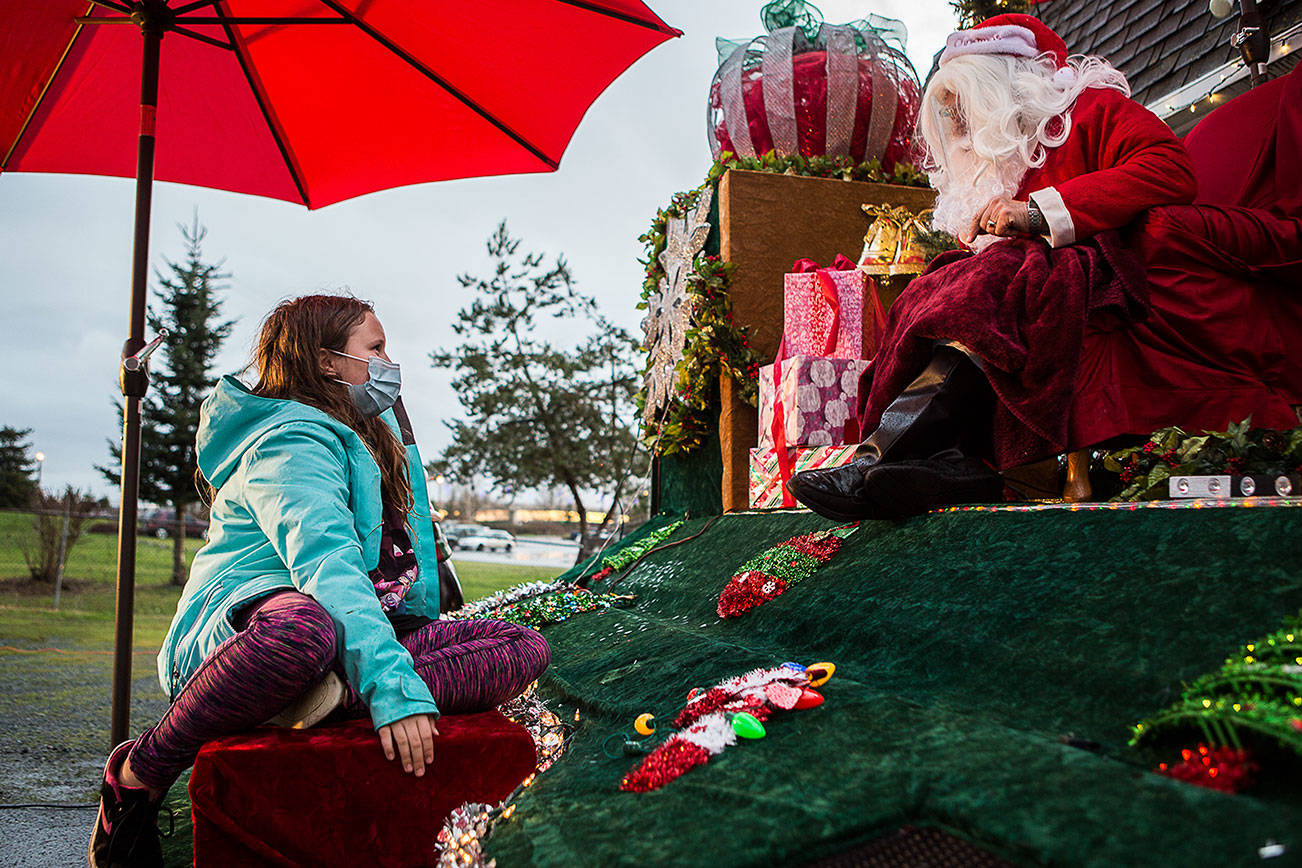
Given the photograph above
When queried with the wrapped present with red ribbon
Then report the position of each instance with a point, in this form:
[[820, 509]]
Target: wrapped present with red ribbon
[[767, 484], [822, 309], [818, 397]]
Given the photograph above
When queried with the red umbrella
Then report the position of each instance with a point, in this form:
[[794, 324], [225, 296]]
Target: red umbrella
[[313, 101]]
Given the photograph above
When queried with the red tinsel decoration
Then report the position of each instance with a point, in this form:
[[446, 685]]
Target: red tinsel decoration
[[713, 700], [602, 574], [673, 758], [770, 574], [747, 590], [1219, 768]]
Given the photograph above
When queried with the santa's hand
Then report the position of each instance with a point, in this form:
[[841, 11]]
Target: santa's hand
[[1001, 216]]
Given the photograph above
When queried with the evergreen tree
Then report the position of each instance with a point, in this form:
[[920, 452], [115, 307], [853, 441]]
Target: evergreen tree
[[972, 12], [17, 468], [189, 308], [540, 414]]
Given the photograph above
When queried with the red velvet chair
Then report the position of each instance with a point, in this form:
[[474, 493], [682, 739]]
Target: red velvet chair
[[327, 796], [1224, 339]]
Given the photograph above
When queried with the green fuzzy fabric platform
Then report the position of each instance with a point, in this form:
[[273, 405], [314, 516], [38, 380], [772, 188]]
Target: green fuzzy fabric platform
[[968, 645]]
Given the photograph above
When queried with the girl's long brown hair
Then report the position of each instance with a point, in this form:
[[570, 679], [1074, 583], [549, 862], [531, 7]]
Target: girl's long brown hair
[[287, 359]]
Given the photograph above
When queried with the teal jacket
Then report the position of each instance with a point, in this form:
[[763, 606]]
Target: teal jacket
[[298, 506]]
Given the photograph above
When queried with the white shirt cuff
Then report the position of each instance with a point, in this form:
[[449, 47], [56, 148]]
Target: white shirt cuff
[[1062, 231]]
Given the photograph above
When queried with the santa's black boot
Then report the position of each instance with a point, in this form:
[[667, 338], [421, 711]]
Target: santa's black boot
[[926, 437]]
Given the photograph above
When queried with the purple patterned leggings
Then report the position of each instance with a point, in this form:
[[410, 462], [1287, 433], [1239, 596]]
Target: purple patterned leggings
[[286, 643]]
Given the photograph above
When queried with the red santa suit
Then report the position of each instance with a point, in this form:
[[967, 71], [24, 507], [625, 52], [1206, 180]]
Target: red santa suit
[[1222, 340], [1118, 161], [1114, 327], [1143, 311]]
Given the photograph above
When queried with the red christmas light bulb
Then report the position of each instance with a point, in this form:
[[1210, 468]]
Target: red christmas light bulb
[[809, 699]]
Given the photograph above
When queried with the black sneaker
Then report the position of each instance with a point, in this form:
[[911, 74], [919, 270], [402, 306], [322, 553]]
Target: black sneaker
[[126, 829]]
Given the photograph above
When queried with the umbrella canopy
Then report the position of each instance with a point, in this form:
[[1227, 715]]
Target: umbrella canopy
[[354, 97], [313, 101]]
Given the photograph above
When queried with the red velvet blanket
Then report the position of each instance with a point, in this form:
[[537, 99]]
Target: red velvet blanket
[[1021, 307], [327, 798]]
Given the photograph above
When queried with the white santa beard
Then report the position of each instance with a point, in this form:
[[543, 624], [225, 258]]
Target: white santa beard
[[968, 186]]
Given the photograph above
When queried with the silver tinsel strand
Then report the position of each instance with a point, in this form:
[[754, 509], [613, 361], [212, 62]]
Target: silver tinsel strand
[[460, 843]]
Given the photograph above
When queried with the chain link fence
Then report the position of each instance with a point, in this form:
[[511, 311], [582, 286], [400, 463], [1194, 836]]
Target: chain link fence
[[58, 548]]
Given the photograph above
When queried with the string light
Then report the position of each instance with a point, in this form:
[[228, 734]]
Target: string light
[[1254, 696], [461, 840], [1207, 86]]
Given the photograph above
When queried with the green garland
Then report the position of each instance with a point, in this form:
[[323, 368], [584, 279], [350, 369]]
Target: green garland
[[553, 607], [716, 345], [625, 556], [1240, 449], [1257, 692]]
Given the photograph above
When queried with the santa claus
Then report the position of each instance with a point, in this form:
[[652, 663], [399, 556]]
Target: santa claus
[[1040, 161]]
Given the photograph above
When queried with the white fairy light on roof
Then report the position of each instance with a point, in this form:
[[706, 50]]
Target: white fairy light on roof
[[1210, 84]]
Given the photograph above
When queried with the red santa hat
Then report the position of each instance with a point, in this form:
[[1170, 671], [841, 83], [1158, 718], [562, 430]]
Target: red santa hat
[[1010, 34]]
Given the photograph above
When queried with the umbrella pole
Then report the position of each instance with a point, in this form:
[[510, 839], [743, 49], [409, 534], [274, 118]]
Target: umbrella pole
[[135, 382]]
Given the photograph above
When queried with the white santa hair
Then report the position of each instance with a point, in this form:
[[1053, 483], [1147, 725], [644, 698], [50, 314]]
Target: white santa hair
[[1001, 98]]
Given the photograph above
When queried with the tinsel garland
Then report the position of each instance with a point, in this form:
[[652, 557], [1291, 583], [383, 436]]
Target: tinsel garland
[[1145, 469], [705, 725], [548, 603], [1255, 695], [1134, 505], [715, 344], [770, 574], [504, 597], [629, 554], [556, 607], [460, 843]]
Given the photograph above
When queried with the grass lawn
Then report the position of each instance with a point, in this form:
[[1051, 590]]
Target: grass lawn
[[85, 616], [56, 668]]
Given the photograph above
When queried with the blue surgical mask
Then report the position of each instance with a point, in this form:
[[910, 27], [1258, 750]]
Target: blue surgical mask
[[383, 382]]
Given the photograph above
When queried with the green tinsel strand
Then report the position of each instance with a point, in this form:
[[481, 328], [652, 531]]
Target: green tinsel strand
[[630, 553], [552, 608], [1258, 690]]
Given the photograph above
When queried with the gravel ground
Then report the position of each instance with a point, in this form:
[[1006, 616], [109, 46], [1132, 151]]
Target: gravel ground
[[54, 730]]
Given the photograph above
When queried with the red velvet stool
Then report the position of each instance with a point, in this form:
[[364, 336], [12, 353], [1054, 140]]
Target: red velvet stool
[[327, 796]]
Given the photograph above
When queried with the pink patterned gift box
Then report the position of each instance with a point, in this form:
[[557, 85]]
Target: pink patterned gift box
[[807, 316], [819, 395], [766, 480]]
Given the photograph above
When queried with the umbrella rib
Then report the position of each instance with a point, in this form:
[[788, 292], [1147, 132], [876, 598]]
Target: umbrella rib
[[207, 40], [659, 27], [273, 123], [433, 76], [36, 106]]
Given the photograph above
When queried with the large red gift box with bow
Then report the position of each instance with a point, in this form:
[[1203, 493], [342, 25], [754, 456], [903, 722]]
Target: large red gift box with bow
[[328, 797]]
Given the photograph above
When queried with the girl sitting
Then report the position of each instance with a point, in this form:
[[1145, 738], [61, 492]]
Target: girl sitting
[[320, 561]]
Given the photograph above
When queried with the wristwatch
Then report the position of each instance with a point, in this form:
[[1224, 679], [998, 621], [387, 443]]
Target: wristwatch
[[1035, 219]]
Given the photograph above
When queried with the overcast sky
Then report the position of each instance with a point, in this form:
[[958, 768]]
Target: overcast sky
[[65, 241]]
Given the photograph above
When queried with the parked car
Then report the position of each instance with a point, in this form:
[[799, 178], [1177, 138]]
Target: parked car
[[161, 523], [486, 539], [453, 531]]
